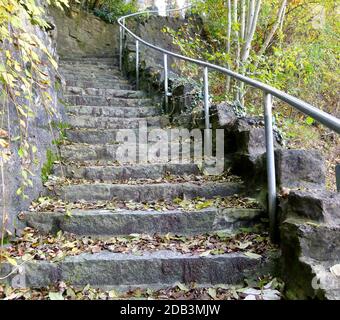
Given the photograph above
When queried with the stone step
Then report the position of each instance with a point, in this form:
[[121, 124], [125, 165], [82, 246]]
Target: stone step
[[94, 77], [86, 70], [106, 101], [94, 136], [65, 65], [85, 121], [105, 92], [148, 270], [145, 192], [117, 152], [92, 83], [90, 61], [109, 136], [135, 172], [108, 223], [118, 112]]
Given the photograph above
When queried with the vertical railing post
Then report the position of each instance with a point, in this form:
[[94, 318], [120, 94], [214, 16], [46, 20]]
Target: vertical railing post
[[120, 48], [121, 44], [166, 81], [137, 65], [206, 98], [123, 29], [207, 133], [271, 175]]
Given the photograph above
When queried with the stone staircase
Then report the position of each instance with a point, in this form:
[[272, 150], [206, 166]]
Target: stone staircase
[[107, 198]]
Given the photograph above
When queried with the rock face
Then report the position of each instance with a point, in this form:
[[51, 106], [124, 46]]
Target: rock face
[[82, 34], [310, 242], [40, 134]]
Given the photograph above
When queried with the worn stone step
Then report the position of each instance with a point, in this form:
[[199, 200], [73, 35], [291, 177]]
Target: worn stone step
[[117, 112], [95, 77], [90, 61], [108, 223], [148, 270], [109, 136], [83, 70], [93, 83], [90, 71], [102, 122], [106, 101], [88, 66], [94, 136], [146, 192], [105, 92], [137, 171], [127, 153]]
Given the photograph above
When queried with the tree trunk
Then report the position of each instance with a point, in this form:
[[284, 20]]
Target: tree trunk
[[280, 18], [247, 45], [228, 40]]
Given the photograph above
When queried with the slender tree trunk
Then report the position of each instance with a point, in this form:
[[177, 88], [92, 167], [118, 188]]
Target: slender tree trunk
[[251, 11], [237, 44], [228, 40], [280, 18], [243, 19], [247, 45]]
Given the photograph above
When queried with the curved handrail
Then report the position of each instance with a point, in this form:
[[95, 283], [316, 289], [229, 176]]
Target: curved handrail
[[326, 119]]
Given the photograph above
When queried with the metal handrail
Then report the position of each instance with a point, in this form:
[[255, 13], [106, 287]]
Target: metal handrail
[[326, 119]]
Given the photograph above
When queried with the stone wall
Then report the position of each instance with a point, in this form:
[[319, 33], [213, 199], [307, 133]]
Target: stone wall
[[40, 135], [81, 34]]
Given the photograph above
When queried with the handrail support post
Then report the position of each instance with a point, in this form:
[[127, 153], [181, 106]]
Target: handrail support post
[[206, 98], [121, 48], [270, 157], [166, 80], [207, 131], [137, 65]]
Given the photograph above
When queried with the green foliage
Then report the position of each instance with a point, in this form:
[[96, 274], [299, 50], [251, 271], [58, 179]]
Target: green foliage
[[62, 129], [302, 58], [47, 168], [110, 10]]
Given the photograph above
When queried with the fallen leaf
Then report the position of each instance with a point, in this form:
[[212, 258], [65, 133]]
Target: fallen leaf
[[55, 296], [253, 255], [212, 293], [182, 287]]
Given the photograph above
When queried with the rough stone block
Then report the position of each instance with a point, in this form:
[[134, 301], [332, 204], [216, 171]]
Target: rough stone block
[[320, 206], [309, 251], [300, 168]]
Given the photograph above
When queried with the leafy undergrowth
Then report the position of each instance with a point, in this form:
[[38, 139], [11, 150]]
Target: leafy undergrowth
[[196, 179], [34, 246], [46, 204], [266, 288]]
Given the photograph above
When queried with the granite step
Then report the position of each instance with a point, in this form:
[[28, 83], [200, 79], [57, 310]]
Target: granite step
[[93, 83], [106, 101], [105, 92], [117, 112], [159, 269], [145, 192], [125, 152], [108, 223], [135, 172], [109, 136], [94, 77], [103, 122]]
